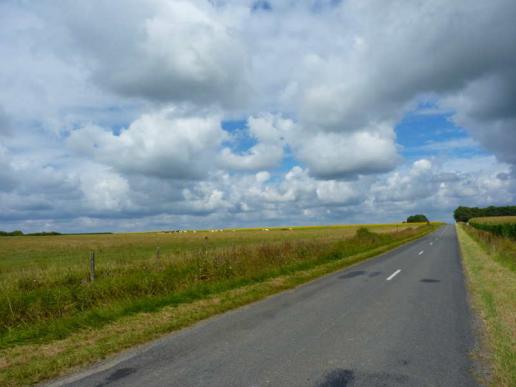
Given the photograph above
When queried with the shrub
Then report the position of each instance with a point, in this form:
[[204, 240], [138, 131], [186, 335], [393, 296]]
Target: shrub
[[417, 219], [11, 233]]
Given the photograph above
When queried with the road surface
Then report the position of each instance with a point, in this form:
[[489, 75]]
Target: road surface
[[398, 320]]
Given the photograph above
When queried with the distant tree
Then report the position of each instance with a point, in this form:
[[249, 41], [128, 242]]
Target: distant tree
[[44, 233], [464, 214], [419, 218], [20, 233], [11, 233]]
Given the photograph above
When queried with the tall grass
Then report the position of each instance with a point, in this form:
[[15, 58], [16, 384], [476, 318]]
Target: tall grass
[[49, 302], [492, 285], [501, 249], [503, 226]]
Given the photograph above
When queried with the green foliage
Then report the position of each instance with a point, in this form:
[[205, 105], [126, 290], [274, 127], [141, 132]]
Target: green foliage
[[420, 218], [486, 258], [20, 233], [464, 214], [505, 230], [44, 233], [11, 233], [363, 232], [501, 248]]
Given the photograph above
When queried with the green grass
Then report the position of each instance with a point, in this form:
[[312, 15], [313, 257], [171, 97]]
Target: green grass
[[56, 253], [502, 226], [502, 250], [45, 301], [492, 284], [494, 219]]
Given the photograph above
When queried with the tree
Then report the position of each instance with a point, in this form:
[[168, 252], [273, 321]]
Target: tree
[[419, 218], [464, 214]]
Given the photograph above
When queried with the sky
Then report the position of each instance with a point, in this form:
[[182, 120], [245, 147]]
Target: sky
[[172, 114]]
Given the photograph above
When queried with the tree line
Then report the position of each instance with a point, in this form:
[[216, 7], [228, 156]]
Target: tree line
[[464, 214], [21, 233]]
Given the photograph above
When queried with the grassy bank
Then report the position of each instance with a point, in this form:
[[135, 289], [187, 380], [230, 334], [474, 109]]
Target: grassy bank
[[74, 321], [492, 284], [501, 249]]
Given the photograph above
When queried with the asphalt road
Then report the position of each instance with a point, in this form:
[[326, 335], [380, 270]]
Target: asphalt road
[[399, 320]]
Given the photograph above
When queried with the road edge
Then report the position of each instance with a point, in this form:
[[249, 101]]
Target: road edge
[[481, 271]]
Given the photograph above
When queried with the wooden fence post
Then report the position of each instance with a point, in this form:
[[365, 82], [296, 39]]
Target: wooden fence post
[[92, 266]]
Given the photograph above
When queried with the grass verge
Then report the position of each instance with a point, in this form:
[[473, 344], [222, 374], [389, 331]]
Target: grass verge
[[32, 362], [492, 286]]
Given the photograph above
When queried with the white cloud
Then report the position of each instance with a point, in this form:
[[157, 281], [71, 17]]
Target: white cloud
[[442, 187], [114, 110], [105, 191], [269, 131], [182, 50], [333, 155], [337, 192], [169, 143], [486, 108], [260, 156]]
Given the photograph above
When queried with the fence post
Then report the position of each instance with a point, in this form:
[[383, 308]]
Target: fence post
[[158, 256], [92, 266]]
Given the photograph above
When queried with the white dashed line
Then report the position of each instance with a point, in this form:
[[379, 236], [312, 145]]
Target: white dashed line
[[421, 252], [431, 243], [394, 274]]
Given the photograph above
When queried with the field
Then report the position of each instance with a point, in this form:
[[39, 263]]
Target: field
[[47, 296], [490, 263], [20, 255], [494, 219], [502, 226]]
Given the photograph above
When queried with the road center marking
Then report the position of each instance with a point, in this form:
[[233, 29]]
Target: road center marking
[[394, 274], [431, 243], [421, 252]]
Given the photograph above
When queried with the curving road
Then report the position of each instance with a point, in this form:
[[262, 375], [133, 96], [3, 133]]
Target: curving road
[[399, 320]]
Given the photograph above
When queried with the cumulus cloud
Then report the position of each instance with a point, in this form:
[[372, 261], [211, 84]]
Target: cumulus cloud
[[268, 131], [169, 144], [175, 51], [336, 155], [104, 190], [116, 110], [99, 196], [486, 108], [401, 53], [442, 186], [417, 183]]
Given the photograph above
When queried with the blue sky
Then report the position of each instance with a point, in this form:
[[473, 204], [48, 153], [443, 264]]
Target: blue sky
[[192, 114], [429, 135]]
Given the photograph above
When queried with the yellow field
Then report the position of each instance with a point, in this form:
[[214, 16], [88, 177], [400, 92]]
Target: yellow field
[[494, 219], [64, 252]]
